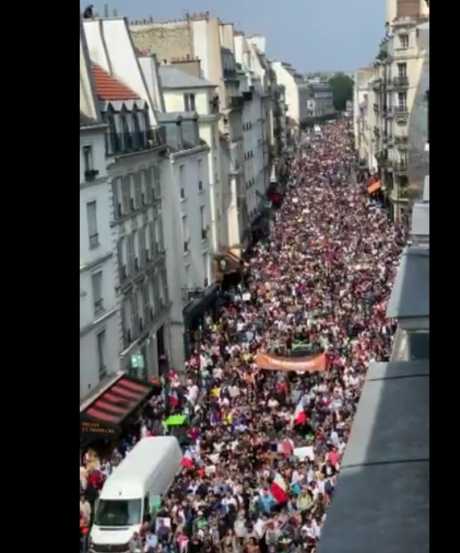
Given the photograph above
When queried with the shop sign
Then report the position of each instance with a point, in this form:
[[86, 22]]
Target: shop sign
[[94, 427]]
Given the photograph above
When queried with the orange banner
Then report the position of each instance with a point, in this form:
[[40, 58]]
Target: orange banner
[[374, 187], [314, 363]]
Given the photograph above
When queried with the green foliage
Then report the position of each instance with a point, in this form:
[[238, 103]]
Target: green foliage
[[342, 89]]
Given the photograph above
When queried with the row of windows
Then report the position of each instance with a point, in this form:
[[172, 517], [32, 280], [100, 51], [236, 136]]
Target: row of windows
[[250, 182], [249, 155], [143, 305], [127, 130], [182, 184], [186, 229], [140, 248], [247, 126], [133, 192]]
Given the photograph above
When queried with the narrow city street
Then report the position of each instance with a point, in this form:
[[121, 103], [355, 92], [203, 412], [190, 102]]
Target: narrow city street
[[265, 446]]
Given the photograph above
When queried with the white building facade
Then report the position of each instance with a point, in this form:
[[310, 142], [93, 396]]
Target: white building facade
[[134, 145], [99, 313], [296, 92]]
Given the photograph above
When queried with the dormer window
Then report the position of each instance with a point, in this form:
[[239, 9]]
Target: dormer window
[[127, 137], [138, 135], [113, 140], [146, 123]]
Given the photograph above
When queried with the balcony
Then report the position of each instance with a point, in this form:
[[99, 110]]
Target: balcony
[[388, 113], [376, 84], [401, 142], [376, 108], [376, 131], [91, 174], [400, 168], [401, 114], [401, 82]]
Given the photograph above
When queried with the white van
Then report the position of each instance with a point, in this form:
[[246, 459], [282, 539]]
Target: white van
[[131, 492]]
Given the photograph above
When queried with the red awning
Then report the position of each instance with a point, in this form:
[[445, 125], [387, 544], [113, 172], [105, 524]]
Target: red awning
[[313, 363], [371, 188], [114, 404]]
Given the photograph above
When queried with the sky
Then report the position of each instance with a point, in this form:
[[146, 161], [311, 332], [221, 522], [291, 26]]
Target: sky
[[312, 35]]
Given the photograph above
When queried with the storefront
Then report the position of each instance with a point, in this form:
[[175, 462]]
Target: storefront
[[195, 313], [104, 416], [228, 269]]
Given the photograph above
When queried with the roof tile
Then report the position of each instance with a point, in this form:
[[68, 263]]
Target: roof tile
[[109, 87]]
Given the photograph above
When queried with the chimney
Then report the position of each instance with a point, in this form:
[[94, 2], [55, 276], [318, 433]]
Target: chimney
[[106, 10], [115, 13]]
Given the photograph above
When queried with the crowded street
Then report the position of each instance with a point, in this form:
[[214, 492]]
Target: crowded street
[[262, 447]]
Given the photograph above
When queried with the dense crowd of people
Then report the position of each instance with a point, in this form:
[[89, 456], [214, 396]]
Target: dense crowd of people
[[254, 478]]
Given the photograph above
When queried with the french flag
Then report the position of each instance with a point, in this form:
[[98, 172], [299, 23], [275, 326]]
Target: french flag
[[187, 460], [279, 489], [300, 416]]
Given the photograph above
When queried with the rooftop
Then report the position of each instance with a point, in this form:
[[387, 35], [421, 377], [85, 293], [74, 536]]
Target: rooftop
[[382, 494], [109, 87], [171, 77], [86, 121], [410, 295]]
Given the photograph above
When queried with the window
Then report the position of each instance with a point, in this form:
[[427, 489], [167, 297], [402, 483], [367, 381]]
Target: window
[[205, 270], [92, 225], [121, 259], [182, 181], [402, 70], [113, 144], [404, 41], [116, 192], [132, 193], [185, 233], [96, 279], [200, 181], [138, 135], [189, 102], [136, 252], [88, 158], [204, 231], [101, 353], [402, 101]]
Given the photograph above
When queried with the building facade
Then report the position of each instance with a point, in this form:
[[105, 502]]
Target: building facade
[[133, 147], [399, 103], [99, 312], [320, 102], [296, 91]]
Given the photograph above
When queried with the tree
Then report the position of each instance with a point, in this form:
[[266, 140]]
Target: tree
[[342, 89]]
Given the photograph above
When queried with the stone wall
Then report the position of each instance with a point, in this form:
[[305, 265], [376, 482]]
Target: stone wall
[[166, 41]]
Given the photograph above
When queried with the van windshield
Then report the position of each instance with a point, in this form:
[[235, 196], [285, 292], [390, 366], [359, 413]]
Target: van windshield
[[124, 512]]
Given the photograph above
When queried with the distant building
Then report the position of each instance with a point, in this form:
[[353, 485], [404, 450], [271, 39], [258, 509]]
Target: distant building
[[320, 100], [296, 90]]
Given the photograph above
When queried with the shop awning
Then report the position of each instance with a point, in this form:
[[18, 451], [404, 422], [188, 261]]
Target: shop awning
[[198, 307], [312, 363], [373, 187], [105, 414]]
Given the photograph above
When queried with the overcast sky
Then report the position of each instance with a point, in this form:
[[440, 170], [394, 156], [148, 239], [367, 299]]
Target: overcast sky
[[313, 35]]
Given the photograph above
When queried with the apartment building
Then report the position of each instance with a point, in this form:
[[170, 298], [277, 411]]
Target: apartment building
[[134, 146], [99, 313], [320, 102], [400, 87], [185, 91], [296, 91]]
